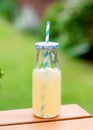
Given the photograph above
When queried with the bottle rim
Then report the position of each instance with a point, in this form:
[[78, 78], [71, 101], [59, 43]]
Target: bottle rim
[[49, 45]]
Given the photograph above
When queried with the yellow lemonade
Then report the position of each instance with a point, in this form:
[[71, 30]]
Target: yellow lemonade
[[46, 92]]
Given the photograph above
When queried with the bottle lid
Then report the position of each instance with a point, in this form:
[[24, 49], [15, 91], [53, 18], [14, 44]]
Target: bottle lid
[[49, 45]]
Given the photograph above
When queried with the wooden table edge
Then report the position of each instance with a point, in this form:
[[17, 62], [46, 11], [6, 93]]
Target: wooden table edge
[[21, 123], [50, 120]]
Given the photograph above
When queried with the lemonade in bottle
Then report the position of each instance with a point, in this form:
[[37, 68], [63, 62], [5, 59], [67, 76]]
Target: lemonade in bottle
[[46, 81]]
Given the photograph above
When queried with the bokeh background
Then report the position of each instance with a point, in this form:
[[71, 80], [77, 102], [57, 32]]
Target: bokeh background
[[22, 24]]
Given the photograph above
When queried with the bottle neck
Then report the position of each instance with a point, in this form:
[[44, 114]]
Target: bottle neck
[[46, 58]]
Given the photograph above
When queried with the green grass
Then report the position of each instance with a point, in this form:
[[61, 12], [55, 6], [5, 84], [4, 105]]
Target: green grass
[[17, 59], [77, 82]]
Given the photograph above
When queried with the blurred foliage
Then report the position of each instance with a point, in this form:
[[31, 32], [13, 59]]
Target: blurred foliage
[[72, 25], [8, 9], [52, 14], [1, 74]]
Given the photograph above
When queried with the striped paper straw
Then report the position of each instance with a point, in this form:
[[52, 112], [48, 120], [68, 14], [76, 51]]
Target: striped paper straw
[[45, 65], [46, 40], [47, 31]]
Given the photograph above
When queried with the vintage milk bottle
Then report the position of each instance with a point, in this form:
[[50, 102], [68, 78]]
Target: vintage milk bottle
[[46, 81]]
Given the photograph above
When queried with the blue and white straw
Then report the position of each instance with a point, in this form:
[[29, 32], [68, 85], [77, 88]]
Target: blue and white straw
[[46, 40], [47, 31], [45, 65]]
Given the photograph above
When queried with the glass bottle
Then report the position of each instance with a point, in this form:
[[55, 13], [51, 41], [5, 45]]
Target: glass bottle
[[46, 81]]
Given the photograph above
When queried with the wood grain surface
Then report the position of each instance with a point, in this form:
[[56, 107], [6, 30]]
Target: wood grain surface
[[76, 124], [25, 116]]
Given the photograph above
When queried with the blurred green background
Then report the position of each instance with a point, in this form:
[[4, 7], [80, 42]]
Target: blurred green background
[[72, 26]]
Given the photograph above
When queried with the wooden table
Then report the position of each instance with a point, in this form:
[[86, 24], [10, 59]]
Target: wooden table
[[72, 117]]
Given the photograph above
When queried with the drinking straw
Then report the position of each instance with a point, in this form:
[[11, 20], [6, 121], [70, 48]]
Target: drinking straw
[[45, 63], [46, 40]]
